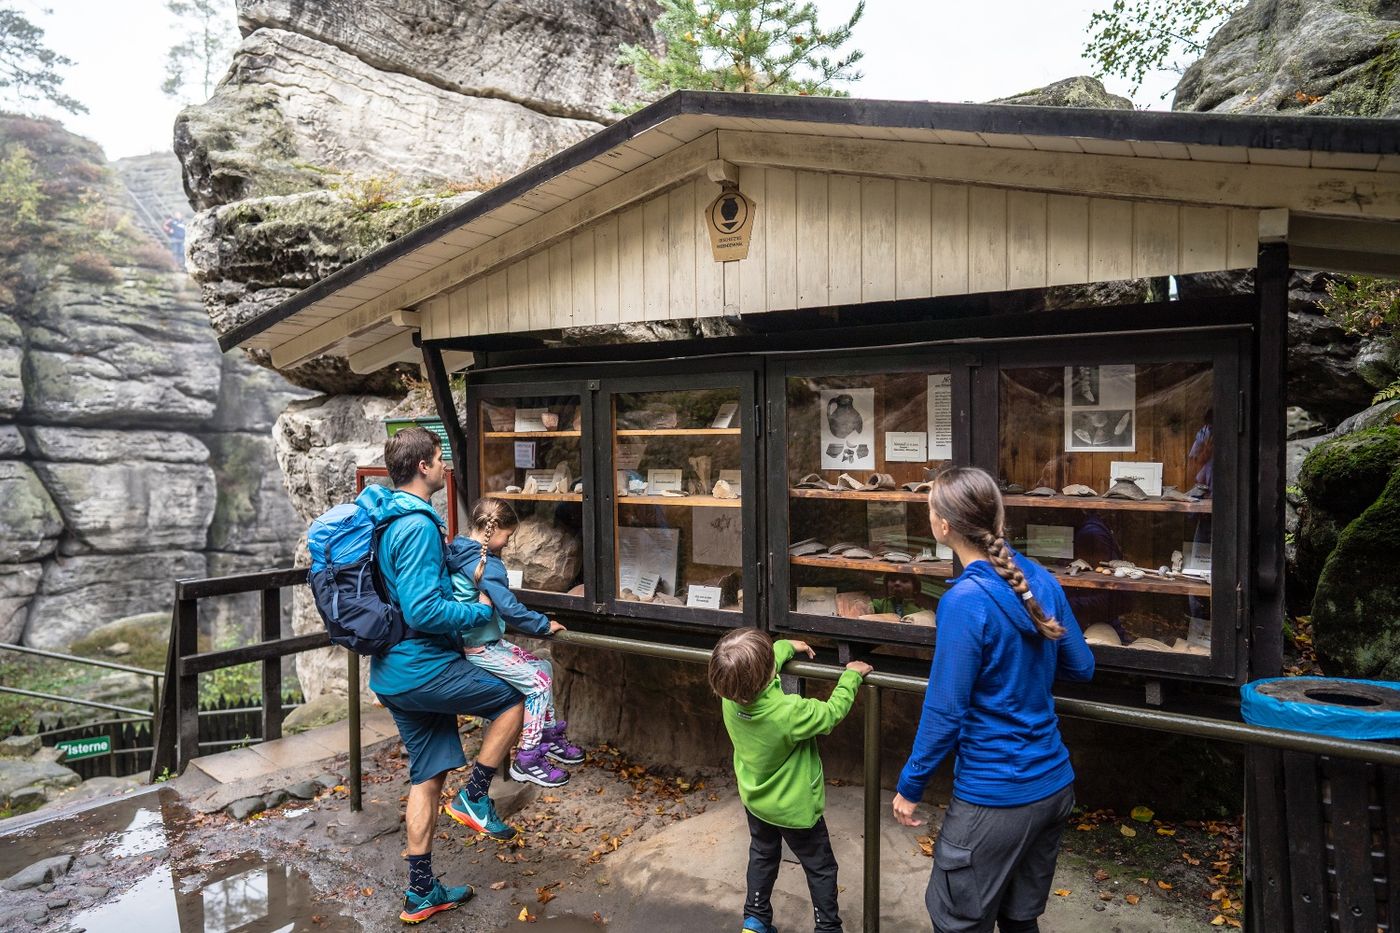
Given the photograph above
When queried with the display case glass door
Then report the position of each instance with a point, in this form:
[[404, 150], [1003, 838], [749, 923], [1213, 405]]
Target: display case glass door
[[854, 450], [534, 445], [1119, 470], [679, 506]]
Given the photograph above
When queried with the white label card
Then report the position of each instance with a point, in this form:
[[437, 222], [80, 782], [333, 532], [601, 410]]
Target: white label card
[[703, 597], [524, 454], [940, 417], [1197, 558], [724, 418], [942, 551], [1050, 541], [906, 446], [530, 419], [629, 456], [544, 479], [1148, 475], [658, 481], [646, 585], [817, 600], [515, 579]]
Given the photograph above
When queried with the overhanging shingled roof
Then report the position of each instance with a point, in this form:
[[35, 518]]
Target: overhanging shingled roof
[[417, 266]]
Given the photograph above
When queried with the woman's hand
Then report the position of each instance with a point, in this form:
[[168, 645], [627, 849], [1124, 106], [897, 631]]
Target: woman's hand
[[556, 627], [482, 598], [904, 811], [801, 647]]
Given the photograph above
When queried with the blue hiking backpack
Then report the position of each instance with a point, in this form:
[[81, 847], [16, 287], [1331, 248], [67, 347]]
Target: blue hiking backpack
[[346, 583]]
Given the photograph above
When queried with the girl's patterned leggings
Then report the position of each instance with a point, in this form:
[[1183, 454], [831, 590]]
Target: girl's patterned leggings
[[530, 675]]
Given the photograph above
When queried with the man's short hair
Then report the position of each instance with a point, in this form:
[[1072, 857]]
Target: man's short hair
[[741, 665], [406, 449]]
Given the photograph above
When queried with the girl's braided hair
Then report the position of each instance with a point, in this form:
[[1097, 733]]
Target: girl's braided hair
[[968, 500], [489, 515]]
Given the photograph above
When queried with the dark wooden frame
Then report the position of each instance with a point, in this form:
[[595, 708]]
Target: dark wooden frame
[[484, 391]]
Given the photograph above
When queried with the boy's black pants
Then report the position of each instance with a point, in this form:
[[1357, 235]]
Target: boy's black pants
[[813, 849]]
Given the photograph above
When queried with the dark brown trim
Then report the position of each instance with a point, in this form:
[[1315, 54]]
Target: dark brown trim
[[441, 385], [1267, 420]]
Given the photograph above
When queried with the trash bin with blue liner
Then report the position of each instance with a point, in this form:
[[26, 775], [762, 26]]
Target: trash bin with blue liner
[[1322, 834]]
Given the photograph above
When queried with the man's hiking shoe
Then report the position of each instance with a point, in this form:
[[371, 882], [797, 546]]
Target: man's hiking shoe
[[532, 766], [755, 925], [419, 907], [558, 747], [479, 815]]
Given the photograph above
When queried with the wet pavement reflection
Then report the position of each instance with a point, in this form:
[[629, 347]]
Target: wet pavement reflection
[[124, 847]]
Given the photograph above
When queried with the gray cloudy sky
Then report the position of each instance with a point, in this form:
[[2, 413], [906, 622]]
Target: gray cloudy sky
[[914, 50]]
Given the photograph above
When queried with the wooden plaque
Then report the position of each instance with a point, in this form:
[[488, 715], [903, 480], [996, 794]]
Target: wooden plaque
[[729, 218]]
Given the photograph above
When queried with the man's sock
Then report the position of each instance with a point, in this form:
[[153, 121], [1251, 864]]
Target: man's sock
[[420, 873], [479, 783]]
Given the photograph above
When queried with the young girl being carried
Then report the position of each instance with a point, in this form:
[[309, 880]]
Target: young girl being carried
[[476, 567]]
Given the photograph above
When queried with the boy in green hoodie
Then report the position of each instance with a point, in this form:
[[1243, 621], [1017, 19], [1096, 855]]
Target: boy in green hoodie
[[778, 769]]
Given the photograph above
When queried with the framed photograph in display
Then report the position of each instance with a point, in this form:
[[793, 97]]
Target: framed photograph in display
[[848, 429], [1100, 408]]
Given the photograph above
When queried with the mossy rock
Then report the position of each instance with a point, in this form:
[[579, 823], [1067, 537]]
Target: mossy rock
[[1356, 612], [1344, 475], [325, 709], [147, 635]]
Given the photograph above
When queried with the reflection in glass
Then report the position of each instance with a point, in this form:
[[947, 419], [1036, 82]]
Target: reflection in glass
[[531, 455], [1107, 473], [860, 450], [678, 475]]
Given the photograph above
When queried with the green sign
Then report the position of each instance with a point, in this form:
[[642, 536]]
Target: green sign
[[74, 749]]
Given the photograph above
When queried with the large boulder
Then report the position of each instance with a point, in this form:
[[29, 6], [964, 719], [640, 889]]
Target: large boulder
[[1081, 91], [30, 523], [18, 584], [1311, 56], [1356, 612], [123, 354], [11, 367], [548, 554], [570, 70], [80, 593]]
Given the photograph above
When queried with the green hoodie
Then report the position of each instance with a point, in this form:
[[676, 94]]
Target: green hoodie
[[775, 747]]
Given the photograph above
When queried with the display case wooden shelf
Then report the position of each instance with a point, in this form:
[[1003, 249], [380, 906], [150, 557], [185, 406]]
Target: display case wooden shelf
[[937, 568], [532, 434], [1095, 503], [537, 496], [678, 432], [682, 502]]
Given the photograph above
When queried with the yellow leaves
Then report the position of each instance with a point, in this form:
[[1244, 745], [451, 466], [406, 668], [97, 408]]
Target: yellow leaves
[[1164, 885], [1163, 831], [1127, 830], [1132, 899], [526, 916], [1063, 892], [1219, 894], [1142, 814], [1085, 827], [925, 846]]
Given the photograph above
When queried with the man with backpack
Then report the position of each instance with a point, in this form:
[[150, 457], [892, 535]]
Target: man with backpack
[[424, 680]]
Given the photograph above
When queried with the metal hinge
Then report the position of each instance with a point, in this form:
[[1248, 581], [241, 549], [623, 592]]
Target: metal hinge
[[594, 385], [1239, 607], [757, 421]]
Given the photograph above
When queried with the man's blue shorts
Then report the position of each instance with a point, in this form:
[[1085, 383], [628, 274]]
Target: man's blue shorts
[[427, 715]]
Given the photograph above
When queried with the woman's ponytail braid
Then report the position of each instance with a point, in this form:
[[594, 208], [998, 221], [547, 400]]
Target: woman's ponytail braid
[[969, 501]]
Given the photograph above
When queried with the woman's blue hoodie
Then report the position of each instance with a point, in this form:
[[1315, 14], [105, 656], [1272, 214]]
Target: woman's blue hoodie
[[989, 693], [463, 554]]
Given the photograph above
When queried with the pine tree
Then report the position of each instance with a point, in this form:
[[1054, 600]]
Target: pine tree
[[28, 67], [210, 38], [755, 46]]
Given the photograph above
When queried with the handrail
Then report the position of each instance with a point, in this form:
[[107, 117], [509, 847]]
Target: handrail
[[205, 587], [77, 659], [112, 707]]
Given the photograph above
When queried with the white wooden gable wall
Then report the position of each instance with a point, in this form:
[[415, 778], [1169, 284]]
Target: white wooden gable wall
[[824, 239]]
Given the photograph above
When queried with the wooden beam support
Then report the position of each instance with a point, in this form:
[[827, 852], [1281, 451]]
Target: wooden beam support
[[441, 384], [723, 173], [399, 348], [1337, 192], [1270, 380]]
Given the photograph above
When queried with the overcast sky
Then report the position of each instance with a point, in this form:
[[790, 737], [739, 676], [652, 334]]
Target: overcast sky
[[914, 50]]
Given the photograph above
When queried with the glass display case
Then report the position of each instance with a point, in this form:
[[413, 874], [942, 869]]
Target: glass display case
[[858, 450], [681, 535], [532, 452]]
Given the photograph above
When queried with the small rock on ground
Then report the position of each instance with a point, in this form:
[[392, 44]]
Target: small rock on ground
[[39, 873], [245, 807]]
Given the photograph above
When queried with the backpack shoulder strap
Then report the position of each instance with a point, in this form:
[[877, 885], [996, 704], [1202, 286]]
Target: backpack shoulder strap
[[377, 535]]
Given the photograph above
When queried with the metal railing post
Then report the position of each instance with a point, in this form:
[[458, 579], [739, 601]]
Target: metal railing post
[[271, 666], [353, 670], [186, 684], [870, 921]]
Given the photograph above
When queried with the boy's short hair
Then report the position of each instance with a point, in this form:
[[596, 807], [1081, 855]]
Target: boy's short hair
[[741, 665], [406, 449]]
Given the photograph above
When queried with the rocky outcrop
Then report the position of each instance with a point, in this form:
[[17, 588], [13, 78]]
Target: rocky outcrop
[[1314, 56], [1080, 91]]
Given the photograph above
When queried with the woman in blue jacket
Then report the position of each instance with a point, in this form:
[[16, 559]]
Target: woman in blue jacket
[[1005, 633]]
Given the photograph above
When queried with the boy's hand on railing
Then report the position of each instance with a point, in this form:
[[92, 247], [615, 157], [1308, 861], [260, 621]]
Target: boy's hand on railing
[[904, 811], [860, 667], [556, 627], [801, 647]]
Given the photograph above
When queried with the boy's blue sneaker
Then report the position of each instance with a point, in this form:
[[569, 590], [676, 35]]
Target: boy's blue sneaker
[[419, 907], [479, 815], [755, 925]]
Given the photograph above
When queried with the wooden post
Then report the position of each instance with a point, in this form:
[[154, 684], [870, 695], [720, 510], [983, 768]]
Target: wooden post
[[441, 385], [187, 685], [271, 667], [871, 913], [1270, 383], [353, 676]]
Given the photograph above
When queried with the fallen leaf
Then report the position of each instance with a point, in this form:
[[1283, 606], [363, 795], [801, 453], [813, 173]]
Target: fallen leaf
[[925, 845], [1219, 920], [1163, 831], [1142, 814], [1105, 895], [598, 918], [526, 916], [1127, 830], [367, 891], [1062, 892], [1131, 898], [1100, 875], [1218, 893], [1164, 885], [1084, 827], [544, 895], [498, 885], [549, 798]]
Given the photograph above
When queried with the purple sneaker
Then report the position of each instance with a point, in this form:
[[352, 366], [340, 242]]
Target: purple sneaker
[[531, 765], [558, 747]]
